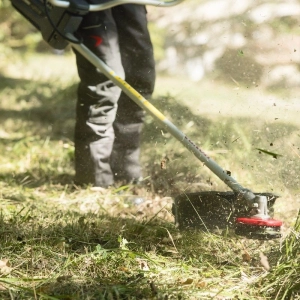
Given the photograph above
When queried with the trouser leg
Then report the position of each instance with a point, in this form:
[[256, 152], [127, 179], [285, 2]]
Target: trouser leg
[[97, 101], [138, 62]]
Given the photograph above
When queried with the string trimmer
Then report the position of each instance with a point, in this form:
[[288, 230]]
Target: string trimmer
[[58, 22]]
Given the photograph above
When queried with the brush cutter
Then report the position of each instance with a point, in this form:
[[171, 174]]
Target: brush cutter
[[58, 22]]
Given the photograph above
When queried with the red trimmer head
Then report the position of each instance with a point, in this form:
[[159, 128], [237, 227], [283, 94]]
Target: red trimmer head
[[257, 228], [258, 224]]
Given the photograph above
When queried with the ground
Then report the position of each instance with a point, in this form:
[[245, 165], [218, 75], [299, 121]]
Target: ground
[[60, 241]]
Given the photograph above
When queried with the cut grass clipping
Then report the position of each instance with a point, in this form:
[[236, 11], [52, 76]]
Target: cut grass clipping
[[284, 280]]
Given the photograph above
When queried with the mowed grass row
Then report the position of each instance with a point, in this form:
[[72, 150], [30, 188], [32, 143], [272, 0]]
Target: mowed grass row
[[59, 241]]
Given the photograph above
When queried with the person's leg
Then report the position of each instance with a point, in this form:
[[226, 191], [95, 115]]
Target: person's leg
[[138, 62], [97, 101]]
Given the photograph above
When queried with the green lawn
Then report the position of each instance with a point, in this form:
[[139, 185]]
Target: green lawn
[[59, 241]]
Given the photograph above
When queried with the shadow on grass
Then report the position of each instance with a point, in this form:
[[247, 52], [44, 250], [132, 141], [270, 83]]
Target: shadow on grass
[[36, 178], [44, 106], [56, 245]]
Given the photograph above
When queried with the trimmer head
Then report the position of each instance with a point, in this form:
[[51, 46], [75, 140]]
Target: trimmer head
[[257, 228], [212, 210]]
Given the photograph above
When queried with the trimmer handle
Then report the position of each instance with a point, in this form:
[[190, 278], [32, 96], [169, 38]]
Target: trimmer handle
[[55, 18]]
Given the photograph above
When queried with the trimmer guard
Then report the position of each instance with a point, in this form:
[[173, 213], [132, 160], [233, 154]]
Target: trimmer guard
[[211, 210]]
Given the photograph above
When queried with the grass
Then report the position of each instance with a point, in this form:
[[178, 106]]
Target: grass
[[287, 268], [59, 241]]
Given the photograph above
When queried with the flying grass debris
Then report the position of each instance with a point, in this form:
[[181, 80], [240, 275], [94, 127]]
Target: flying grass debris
[[275, 155]]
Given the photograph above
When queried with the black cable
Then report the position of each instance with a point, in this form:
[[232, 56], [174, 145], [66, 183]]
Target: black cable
[[56, 29]]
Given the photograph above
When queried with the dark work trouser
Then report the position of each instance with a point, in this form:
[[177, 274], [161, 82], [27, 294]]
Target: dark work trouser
[[108, 123]]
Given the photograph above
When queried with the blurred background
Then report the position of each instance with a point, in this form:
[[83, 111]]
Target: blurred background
[[254, 43]]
